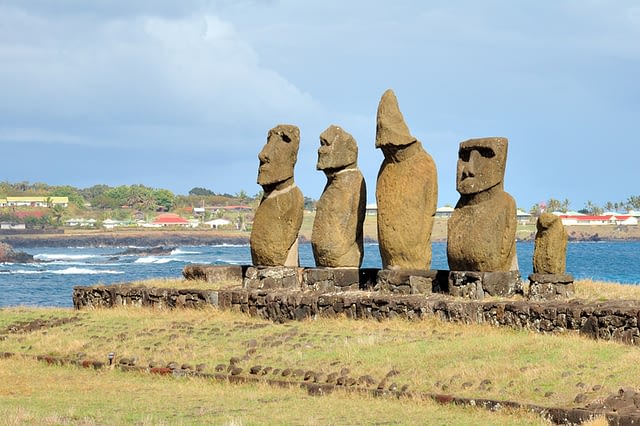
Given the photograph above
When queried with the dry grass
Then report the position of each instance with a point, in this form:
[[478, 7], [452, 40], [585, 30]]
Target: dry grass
[[600, 291], [179, 283], [430, 356], [51, 395]]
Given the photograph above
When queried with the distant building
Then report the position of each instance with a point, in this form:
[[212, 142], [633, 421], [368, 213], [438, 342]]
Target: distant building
[[523, 217], [170, 219], [11, 225], [34, 201], [445, 211], [83, 223], [599, 220], [216, 223]]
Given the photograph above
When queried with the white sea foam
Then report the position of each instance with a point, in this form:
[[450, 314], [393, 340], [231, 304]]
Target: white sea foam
[[230, 245], [60, 256], [178, 251], [85, 271], [67, 271], [155, 260], [22, 271]]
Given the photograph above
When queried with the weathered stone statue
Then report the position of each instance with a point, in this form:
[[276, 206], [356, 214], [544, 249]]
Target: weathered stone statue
[[337, 230], [482, 228], [274, 237], [550, 252], [406, 192]]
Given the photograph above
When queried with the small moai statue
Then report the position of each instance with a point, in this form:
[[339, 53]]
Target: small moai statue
[[550, 252], [482, 228], [274, 237], [549, 280], [336, 238], [406, 192]]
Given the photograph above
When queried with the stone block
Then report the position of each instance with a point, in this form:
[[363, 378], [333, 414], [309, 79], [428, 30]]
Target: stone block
[[328, 280], [215, 273], [476, 285], [551, 287], [466, 284], [501, 283], [272, 277], [405, 281]]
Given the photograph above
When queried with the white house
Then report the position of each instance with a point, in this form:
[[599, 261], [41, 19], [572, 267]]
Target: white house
[[36, 201], [372, 209], [599, 220], [445, 211], [80, 222], [216, 223]]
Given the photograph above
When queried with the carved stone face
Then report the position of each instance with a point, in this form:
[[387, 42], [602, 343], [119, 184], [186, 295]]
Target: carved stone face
[[278, 156], [481, 164], [338, 149]]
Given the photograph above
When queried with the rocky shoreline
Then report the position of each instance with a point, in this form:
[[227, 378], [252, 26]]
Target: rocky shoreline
[[142, 239], [9, 255], [178, 238]]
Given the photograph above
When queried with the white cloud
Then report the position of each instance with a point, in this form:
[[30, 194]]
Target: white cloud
[[78, 74]]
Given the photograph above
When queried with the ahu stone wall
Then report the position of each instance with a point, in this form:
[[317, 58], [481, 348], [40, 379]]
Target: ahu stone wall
[[612, 320]]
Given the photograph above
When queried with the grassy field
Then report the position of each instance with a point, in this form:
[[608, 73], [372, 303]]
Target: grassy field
[[425, 356]]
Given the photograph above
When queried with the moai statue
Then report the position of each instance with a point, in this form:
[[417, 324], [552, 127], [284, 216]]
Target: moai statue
[[337, 230], [482, 228], [406, 192], [550, 252], [274, 237]]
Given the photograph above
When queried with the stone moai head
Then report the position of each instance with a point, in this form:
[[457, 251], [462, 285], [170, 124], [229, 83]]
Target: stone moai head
[[546, 221], [392, 132], [279, 155], [550, 251], [338, 149], [481, 164]]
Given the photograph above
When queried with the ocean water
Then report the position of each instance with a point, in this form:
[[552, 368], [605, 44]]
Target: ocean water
[[50, 282]]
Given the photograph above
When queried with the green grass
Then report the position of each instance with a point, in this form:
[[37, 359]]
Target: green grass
[[51, 395], [429, 355]]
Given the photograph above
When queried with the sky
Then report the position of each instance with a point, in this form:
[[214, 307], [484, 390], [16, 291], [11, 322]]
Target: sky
[[181, 94]]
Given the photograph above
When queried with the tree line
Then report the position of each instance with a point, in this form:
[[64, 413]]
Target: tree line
[[590, 208], [137, 197]]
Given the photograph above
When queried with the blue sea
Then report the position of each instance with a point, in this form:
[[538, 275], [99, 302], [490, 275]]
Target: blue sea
[[50, 282]]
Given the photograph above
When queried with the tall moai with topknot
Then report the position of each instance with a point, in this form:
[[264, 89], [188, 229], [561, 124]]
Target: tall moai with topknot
[[482, 229], [336, 238], [274, 236], [406, 192]]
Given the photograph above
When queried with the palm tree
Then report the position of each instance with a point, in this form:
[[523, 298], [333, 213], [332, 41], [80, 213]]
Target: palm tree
[[56, 213]]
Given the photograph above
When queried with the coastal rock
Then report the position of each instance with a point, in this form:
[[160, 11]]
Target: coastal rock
[[482, 229], [406, 192], [274, 236], [550, 252], [147, 251], [9, 255], [336, 238]]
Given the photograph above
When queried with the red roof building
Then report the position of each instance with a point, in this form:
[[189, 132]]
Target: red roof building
[[170, 219], [599, 220]]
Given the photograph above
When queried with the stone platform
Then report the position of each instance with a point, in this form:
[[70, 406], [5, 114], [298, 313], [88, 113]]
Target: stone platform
[[468, 285], [295, 294]]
